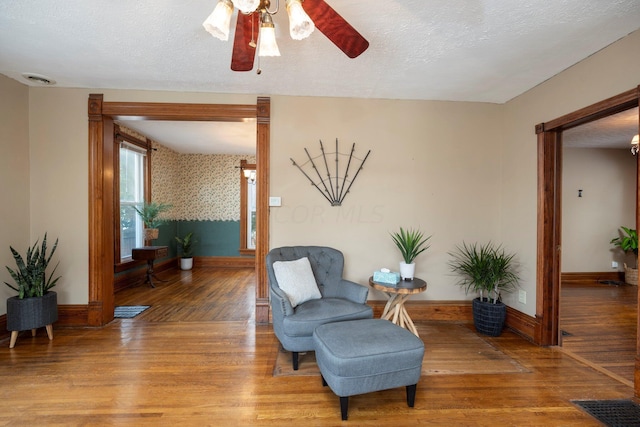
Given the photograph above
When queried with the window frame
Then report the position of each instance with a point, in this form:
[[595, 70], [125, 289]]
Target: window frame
[[145, 144]]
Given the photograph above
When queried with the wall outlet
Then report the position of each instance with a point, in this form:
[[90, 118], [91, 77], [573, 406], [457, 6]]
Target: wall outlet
[[522, 296], [614, 264]]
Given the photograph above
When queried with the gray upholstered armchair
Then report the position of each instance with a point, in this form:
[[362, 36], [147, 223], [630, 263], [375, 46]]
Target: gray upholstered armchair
[[338, 299]]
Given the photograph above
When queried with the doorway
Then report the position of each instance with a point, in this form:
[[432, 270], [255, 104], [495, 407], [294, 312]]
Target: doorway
[[101, 194], [549, 212]]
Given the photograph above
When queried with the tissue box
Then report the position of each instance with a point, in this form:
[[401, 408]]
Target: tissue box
[[391, 278]]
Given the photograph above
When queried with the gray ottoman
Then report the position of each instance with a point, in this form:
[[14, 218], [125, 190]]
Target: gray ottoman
[[361, 356]]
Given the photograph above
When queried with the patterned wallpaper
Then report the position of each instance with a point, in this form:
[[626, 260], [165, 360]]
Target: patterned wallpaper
[[203, 187]]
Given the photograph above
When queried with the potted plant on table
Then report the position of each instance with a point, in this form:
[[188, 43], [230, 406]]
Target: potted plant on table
[[488, 270], [186, 247], [149, 213], [628, 242], [411, 243], [35, 305]]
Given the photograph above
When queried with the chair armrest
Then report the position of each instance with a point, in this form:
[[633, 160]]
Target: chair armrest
[[280, 302], [351, 291]]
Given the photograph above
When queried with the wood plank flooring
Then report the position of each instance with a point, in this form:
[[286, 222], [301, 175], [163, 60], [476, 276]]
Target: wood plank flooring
[[210, 365], [600, 323]]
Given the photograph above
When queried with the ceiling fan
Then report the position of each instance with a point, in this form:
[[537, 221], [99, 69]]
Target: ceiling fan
[[255, 29]]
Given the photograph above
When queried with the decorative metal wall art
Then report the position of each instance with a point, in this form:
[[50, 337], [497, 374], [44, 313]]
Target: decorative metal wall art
[[337, 183]]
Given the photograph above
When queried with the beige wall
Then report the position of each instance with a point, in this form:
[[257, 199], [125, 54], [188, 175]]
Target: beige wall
[[459, 171], [430, 167], [607, 178], [14, 177], [609, 72]]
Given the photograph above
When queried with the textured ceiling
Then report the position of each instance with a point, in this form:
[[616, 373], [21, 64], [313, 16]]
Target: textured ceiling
[[615, 131], [458, 50]]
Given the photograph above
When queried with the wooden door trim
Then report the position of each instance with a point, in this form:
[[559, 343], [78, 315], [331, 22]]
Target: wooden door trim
[[101, 189], [549, 213]]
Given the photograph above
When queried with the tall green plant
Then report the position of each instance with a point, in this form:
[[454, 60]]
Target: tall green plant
[[411, 243], [30, 275], [150, 212], [484, 268]]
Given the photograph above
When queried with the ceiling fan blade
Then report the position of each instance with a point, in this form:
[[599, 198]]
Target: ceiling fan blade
[[332, 25], [244, 54]]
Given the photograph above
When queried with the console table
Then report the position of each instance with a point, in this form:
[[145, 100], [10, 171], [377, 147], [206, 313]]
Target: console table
[[150, 254], [398, 295]]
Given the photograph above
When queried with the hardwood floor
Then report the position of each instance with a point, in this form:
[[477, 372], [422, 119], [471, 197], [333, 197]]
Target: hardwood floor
[[206, 363], [599, 323]]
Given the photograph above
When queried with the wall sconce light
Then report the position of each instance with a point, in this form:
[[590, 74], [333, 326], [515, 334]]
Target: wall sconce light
[[250, 174], [634, 145]]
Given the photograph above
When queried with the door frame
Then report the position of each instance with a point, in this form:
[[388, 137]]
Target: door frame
[[101, 189], [549, 216]]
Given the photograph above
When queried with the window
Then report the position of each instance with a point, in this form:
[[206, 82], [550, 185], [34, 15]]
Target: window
[[132, 161], [247, 208]]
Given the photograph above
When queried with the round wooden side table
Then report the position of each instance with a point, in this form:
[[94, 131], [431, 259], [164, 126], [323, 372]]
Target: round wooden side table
[[395, 310]]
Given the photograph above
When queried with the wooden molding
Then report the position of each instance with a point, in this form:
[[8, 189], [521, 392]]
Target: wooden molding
[[459, 311], [224, 262], [592, 276], [522, 324], [137, 273], [101, 116], [75, 315]]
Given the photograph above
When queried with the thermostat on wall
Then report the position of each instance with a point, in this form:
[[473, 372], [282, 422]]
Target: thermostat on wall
[[275, 201]]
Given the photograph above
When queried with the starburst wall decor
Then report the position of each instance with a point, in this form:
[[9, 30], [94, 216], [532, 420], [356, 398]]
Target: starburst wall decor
[[337, 180]]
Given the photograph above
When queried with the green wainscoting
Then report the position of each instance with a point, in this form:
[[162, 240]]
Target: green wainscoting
[[213, 238]]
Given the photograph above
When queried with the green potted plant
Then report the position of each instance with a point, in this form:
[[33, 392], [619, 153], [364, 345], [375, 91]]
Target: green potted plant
[[149, 213], [186, 247], [488, 270], [411, 243], [35, 305], [627, 241]]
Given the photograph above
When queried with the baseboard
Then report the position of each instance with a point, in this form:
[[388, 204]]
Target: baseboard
[[224, 262], [137, 275], [68, 315], [592, 276], [460, 311]]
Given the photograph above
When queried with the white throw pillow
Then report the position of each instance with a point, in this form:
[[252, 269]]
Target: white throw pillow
[[296, 280]]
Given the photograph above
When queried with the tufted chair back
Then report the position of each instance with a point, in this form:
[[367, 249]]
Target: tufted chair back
[[327, 265]]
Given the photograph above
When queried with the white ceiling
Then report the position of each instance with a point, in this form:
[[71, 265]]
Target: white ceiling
[[458, 50], [199, 137], [614, 131]]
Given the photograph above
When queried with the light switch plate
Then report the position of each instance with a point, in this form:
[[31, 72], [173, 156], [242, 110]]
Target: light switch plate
[[275, 201]]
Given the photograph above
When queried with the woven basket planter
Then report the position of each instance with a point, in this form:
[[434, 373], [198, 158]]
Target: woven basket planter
[[32, 313], [630, 275], [151, 233], [488, 318]]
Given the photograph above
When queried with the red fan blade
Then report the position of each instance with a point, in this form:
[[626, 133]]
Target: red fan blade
[[332, 25], [243, 54]]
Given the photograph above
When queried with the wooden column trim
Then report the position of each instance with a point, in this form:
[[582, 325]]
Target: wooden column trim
[[548, 237], [636, 375], [263, 113]]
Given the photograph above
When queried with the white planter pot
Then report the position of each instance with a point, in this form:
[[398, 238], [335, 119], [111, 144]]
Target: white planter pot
[[186, 263], [407, 270]]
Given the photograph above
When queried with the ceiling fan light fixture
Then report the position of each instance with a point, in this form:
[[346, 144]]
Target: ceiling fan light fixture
[[267, 38], [246, 6], [300, 25], [218, 23]]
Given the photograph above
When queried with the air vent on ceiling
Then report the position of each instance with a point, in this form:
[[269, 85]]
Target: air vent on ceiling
[[39, 79]]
